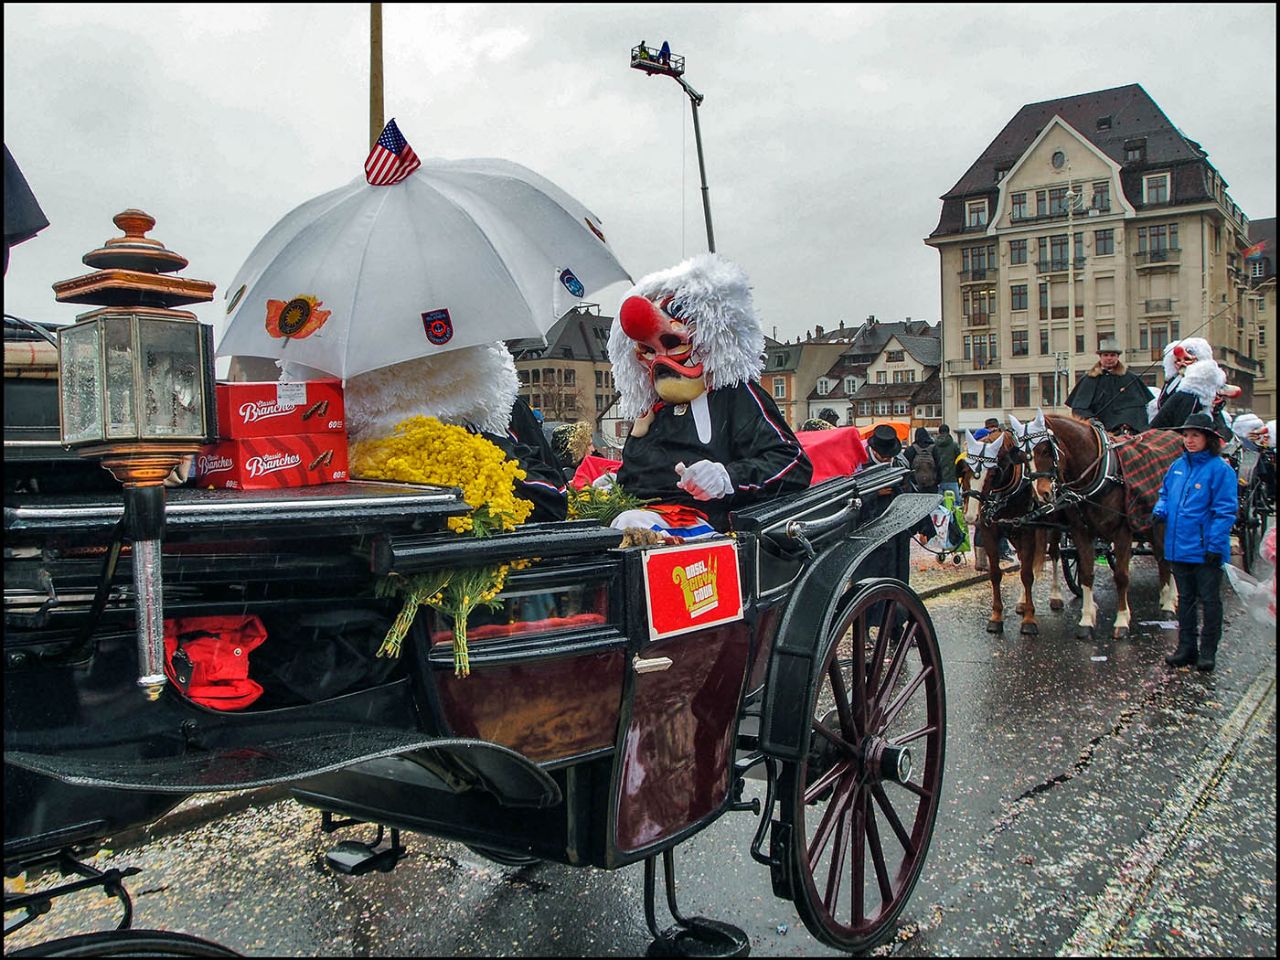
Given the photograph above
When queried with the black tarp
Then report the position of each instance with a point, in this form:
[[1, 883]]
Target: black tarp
[[23, 218]]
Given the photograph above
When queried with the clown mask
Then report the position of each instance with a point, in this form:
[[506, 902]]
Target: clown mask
[[664, 346]]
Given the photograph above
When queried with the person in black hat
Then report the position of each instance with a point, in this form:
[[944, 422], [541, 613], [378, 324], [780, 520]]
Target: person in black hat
[[1111, 393], [893, 558], [1197, 505]]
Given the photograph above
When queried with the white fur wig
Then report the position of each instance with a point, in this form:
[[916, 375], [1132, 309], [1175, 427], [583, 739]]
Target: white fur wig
[[1198, 347], [473, 385], [728, 338], [1204, 379]]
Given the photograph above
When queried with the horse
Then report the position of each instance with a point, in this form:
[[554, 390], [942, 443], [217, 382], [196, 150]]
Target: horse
[[1080, 474], [1005, 500]]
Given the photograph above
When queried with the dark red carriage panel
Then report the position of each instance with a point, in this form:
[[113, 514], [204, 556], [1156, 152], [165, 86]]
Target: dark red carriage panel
[[545, 709], [678, 747]]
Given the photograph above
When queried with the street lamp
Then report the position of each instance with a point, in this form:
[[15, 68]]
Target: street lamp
[[670, 65], [135, 390]]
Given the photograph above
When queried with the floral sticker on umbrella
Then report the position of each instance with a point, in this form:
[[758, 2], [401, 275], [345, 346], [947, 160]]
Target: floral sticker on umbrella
[[296, 319]]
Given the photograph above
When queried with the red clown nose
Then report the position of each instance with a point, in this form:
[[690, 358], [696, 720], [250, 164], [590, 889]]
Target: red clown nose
[[639, 318], [1181, 353]]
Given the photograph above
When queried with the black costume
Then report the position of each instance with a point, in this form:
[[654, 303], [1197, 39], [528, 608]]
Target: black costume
[[1116, 397], [525, 443], [1181, 404], [748, 436]]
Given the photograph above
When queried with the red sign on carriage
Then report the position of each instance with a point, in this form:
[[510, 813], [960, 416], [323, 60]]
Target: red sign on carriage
[[692, 586]]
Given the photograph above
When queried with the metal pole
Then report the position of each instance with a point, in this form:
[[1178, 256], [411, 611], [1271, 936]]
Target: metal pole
[[376, 122], [695, 98]]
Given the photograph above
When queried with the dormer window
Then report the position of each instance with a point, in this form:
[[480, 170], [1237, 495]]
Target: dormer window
[[824, 386], [1104, 123], [1135, 151], [1155, 188], [976, 213]]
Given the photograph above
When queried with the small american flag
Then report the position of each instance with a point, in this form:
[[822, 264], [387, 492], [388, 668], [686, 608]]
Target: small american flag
[[391, 159]]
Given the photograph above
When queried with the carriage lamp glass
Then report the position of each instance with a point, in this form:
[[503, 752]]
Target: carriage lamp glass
[[134, 378]]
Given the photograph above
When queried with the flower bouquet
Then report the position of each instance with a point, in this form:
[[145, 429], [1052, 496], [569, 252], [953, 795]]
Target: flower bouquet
[[424, 450]]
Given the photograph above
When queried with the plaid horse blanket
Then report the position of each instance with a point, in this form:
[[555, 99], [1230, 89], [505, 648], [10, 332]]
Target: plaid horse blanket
[[1144, 460]]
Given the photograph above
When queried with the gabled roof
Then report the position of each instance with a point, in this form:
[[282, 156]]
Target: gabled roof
[[584, 334], [926, 351], [1132, 113]]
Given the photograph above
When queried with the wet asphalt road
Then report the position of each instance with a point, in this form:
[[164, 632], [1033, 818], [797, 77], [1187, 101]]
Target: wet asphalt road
[[1091, 806]]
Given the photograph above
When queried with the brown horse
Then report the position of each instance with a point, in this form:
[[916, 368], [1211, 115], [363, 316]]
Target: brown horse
[[1079, 473], [1005, 499]]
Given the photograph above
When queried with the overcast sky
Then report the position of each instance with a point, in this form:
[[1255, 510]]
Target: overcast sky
[[830, 132]]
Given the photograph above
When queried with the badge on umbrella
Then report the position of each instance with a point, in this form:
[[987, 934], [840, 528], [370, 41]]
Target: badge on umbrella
[[296, 319]]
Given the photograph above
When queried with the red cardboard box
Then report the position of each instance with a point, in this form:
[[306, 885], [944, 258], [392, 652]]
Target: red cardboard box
[[286, 408], [267, 463]]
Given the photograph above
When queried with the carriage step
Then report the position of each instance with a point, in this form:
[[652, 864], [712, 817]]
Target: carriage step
[[355, 858]]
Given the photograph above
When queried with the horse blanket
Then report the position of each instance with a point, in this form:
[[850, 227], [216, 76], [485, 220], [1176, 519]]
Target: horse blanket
[[1144, 460]]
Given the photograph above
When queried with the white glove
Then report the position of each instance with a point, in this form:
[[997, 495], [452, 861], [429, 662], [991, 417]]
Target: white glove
[[705, 480], [605, 481]]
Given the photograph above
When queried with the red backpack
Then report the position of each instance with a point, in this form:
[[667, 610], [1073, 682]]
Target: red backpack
[[208, 659]]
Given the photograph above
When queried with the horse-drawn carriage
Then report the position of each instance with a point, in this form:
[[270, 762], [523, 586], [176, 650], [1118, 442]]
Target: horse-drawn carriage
[[617, 701]]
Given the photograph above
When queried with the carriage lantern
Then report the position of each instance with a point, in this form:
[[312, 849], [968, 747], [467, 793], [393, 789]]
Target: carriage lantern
[[135, 390]]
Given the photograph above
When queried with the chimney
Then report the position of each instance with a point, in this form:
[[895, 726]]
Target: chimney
[[817, 331], [841, 324]]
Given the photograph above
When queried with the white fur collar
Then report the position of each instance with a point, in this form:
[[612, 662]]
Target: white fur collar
[[474, 386], [1204, 379]]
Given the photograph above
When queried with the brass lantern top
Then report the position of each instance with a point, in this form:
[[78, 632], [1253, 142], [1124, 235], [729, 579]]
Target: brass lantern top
[[132, 272]]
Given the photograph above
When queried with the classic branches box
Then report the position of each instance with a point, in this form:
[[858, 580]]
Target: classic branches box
[[271, 409], [266, 463]]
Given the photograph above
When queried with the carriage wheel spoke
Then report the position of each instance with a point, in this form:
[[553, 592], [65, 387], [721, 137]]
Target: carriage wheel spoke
[[858, 867], [904, 838], [849, 717], [841, 769], [845, 825], [914, 735], [899, 657], [891, 713], [831, 817], [913, 787], [877, 854], [882, 644], [827, 733]]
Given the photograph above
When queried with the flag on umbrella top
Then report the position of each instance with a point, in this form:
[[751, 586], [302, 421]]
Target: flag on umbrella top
[[391, 159]]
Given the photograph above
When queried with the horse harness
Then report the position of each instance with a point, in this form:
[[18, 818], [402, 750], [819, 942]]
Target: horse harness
[[1105, 468]]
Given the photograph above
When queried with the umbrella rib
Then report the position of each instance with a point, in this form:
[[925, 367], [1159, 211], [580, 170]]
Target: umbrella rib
[[355, 289]]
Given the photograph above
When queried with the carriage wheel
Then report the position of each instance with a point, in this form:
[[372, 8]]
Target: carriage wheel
[[1070, 559], [128, 943], [862, 805]]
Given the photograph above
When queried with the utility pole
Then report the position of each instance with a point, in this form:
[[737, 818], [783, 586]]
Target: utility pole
[[376, 122]]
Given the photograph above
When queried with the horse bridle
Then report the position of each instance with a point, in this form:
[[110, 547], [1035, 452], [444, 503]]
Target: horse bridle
[[993, 501], [1062, 494]]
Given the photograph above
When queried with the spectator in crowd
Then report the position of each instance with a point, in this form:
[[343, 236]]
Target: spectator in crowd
[[945, 454], [1198, 503], [924, 469]]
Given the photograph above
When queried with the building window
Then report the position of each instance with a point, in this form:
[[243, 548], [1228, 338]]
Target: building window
[[824, 386], [1058, 252], [864, 408], [1135, 151], [1046, 388], [1102, 196], [1158, 238], [571, 378], [1057, 201], [894, 356], [1256, 269], [1155, 188], [1017, 251], [883, 408], [1042, 203], [1019, 348], [1019, 206], [882, 376], [976, 213], [850, 385], [901, 407], [992, 393], [1104, 242], [1044, 301], [1022, 390], [968, 401], [1079, 343], [1044, 341], [1018, 296], [779, 388]]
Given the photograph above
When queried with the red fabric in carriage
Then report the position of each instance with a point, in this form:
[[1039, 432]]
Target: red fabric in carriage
[[490, 630], [1144, 460]]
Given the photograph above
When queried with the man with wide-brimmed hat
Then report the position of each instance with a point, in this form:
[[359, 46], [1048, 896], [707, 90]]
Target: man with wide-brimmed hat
[[1111, 393]]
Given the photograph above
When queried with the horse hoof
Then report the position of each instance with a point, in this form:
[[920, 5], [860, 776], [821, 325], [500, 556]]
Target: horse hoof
[[1030, 629], [1084, 633], [995, 626], [1120, 633]]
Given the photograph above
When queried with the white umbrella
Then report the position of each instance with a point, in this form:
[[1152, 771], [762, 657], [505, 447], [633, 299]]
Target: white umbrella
[[461, 252]]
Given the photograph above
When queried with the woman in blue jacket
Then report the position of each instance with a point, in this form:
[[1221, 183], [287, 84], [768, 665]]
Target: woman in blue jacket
[[1198, 503]]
